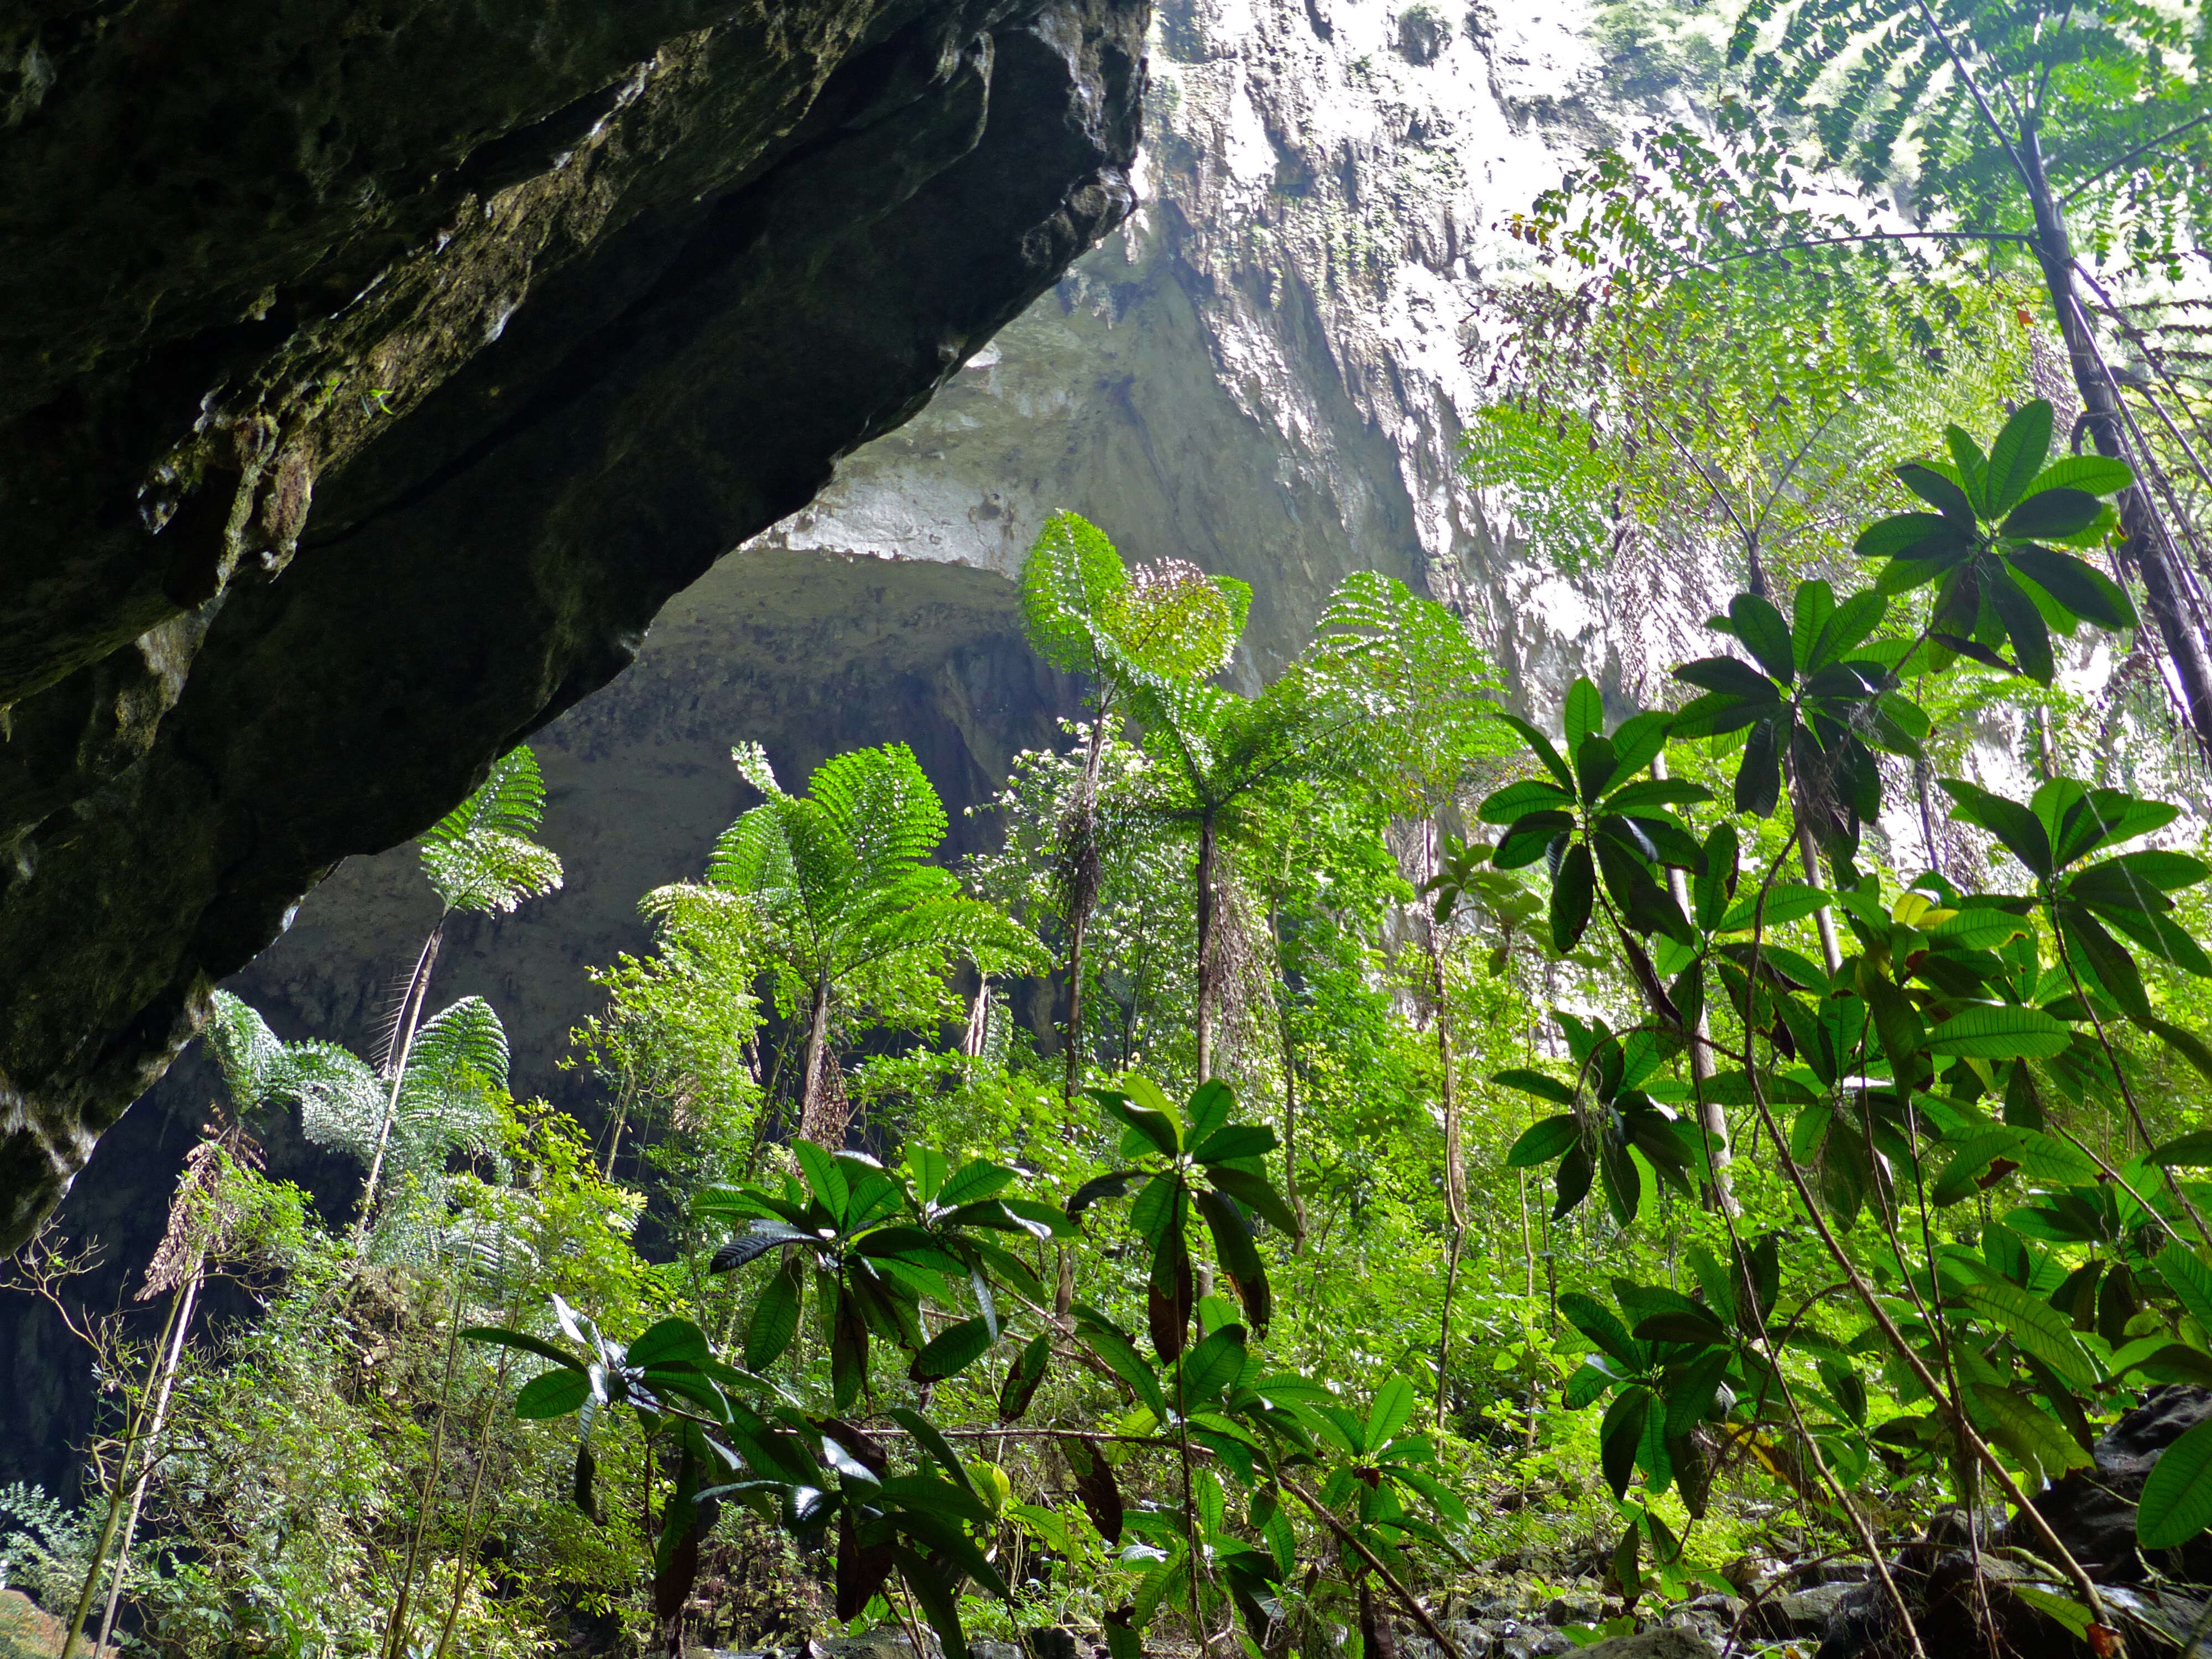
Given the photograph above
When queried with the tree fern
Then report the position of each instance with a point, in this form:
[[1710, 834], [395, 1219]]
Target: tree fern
[[839, 901]]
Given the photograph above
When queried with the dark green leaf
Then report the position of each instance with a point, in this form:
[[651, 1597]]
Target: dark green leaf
[[1758, 777], [1765, 634], [2053, 514], [1917, 535], [1938, 491], [1539, 1083], [2081, 588], [502, 1336], [774, 1322], [1255, 1194], [1539, 1146], [1574, 890], [2017, 455], [1239, 1257], [555, 1393], [2176, 1499], [1620, 1435], [953, 1351]]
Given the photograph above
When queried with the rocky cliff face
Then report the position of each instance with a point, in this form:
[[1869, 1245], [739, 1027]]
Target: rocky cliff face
[[371, 374]]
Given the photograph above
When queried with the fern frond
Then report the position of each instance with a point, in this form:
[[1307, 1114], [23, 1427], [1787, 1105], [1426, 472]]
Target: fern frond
[[1070, 579], [752, 760], [479, 857], [342, 1100], [246, 1049]]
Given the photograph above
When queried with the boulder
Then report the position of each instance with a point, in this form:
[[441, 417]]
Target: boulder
[[1664, 1643], [1797, 1613], [2094, 1511]]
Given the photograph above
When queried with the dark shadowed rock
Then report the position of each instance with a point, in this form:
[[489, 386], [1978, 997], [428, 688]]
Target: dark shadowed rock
[[368, 380], [2094, 1511], [1662, 1644]]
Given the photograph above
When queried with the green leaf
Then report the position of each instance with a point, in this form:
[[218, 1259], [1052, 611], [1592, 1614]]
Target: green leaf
[[2188, 1276], [2052, 514], [2030, 1435], [1541, 746], [1239, 1257], [2176, 1499], [1758, 777], [503, 1337], [2020, 830], [1235, 1140], [2190, 1047], [1585, 713], [2016, 457], [1022, 1377], [1255, 1194], [823, 1178], [1905, 535], [1785, 902], [670, 1342], [1574, 890], [2038, 1328], [555, 1393], [2097, 475], [775, 1317], [1598, 1322], [1157, 1129], [1544, 1141], [1393, 1407], [1541, 1084], [1938, 491], [973, 1182], [2000, 1031], [2078, 587], [953, 1351], [1620, 1434], [1211, 1367], [1765, 634], [2024, 625]]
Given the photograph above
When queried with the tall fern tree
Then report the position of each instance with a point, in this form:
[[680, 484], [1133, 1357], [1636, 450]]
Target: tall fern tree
[[1117, 630], [851, 915], [479, 859]]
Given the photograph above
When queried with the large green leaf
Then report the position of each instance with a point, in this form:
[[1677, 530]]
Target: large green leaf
[[1393, 1407], [2037, 1327], [2000, 1031], [2176, 1499]]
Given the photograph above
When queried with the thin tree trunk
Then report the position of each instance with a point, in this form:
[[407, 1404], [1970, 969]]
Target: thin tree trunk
[[1081, 880], [1290, 1085], [1712, 1119], [813, 1124], [2163, 585], [395, 1061], [171, 1351], [1206, 919], [1455, 1175], [1808, 856]]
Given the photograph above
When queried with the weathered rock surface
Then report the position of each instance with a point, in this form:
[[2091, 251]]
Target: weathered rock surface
[[370, 376]]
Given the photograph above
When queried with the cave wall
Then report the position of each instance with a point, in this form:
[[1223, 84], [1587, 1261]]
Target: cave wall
[[372, 374]]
